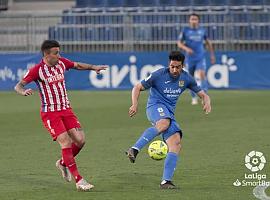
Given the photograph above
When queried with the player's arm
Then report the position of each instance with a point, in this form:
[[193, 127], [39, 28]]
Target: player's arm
[[209, 46], [205, 101], [19, 88], [135, 97], [84, 66], [182, 46]]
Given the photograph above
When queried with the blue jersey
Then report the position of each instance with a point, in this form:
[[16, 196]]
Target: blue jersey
[[166, 89], [194, 38]]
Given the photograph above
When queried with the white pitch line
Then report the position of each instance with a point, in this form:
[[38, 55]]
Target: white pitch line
[[259, 192]]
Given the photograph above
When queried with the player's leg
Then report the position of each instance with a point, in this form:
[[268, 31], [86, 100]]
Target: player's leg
[[200, 74], [191, 70], [53, 123], [75, 131], [77, 138], [160, 117], [173, 139], [66, 143]]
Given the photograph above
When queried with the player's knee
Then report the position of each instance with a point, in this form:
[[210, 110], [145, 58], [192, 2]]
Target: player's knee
[[80, 142], [162, 125], [64, 140], [175, 147]]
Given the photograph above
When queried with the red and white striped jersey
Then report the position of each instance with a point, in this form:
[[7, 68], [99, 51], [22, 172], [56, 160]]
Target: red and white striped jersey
[[51, 84]]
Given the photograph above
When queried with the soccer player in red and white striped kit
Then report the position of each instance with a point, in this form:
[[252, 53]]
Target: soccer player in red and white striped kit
[[56, 112]]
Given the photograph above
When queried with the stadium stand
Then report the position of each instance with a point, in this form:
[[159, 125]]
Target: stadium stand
[[155, 24], [3, 5]]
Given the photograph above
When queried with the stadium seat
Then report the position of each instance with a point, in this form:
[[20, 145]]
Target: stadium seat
[[142, 33], [166, 5], [266, 2], [68, 17], [114, 5], [255, 5], [218, 5], [216, 32], [52, 33], [218, 17], [201, 5], [64, 33], [238, 17], [181, 19], [148, 5], [131, 5], [183, 5], [241, 32], [93, 5], [259, 32], [237, 5]]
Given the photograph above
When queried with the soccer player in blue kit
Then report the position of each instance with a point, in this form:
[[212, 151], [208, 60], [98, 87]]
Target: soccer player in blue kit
[[191, 40], [166, 85]]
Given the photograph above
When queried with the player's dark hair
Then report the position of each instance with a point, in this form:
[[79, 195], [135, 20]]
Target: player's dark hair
[[194, 14], [48, 44], [177, 56]]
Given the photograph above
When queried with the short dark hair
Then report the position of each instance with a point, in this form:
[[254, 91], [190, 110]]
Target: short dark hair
[[177, 56], [194, 14], [48, 44]]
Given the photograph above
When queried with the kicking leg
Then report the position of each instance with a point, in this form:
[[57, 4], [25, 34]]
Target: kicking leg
[[147, 136]]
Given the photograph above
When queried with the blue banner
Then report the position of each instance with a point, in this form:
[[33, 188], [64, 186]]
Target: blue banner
[[233, 70]]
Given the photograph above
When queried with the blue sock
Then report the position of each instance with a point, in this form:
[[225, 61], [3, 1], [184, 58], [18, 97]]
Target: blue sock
[[169, 166], [148, 135]]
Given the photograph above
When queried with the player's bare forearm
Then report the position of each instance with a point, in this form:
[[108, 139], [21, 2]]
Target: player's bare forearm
[[19, 88], [206, 101], [135, 98], [182, 46], [85, 66], [211, 50]]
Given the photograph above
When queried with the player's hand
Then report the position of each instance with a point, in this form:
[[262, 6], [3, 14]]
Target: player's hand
[[189, 51], [99, 68], [132, 110], [213, 59], [206, 106], [28, 92]]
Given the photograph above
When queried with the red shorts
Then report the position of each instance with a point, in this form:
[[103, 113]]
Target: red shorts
[[59, 122]]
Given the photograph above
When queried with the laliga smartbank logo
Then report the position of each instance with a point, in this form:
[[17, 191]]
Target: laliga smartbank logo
[[255, 162]]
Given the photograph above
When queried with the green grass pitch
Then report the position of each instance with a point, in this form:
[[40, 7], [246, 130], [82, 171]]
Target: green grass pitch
[[212, 157]]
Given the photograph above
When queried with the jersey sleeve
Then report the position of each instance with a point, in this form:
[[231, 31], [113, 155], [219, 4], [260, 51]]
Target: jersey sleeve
[[68, 63], [31, 74], [181, 36], [149, 81], [193, 85]]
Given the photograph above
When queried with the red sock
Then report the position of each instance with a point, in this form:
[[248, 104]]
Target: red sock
[[70, 163], [75, 151]]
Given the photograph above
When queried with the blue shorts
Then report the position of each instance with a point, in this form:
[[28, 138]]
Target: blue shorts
[[194, 65], [159, 111]]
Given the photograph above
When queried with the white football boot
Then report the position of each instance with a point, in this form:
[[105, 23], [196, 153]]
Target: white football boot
[[83, 185], [64, 170]]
